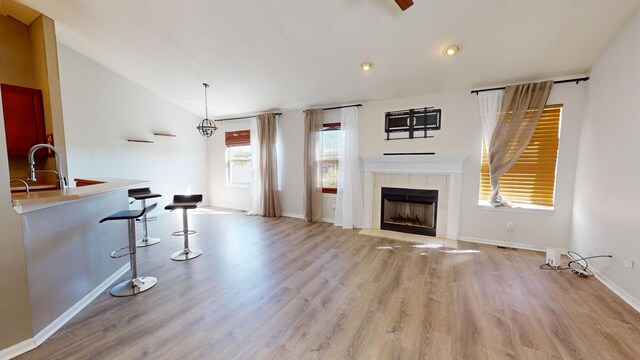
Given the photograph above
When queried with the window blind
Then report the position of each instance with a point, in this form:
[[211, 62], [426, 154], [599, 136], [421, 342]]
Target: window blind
[[237, 138], [532, 178]]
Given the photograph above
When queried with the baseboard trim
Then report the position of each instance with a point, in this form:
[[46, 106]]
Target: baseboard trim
[[300, 216], [18, 349], [516, 245], [50, 329], [292, 215], [625, 296]]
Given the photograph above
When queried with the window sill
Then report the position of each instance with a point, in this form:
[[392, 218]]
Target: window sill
[[519, 208]]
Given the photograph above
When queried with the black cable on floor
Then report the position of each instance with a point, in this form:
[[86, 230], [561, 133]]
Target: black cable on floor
[[578, 265]]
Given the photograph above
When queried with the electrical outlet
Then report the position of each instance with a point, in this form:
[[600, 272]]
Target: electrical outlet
[[630, 265], [509, 226]]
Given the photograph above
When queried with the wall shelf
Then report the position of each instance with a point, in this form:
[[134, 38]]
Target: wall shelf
[[164, 134], [140, 141]]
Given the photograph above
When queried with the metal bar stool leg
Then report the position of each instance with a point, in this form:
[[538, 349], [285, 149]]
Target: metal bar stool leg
[[137, 284], [186, 253], [146, 240]]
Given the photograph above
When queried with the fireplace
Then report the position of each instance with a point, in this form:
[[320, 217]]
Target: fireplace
[[411, 211], [442, 172]]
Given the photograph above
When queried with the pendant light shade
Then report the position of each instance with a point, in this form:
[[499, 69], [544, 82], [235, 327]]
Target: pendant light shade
[[206, 126]]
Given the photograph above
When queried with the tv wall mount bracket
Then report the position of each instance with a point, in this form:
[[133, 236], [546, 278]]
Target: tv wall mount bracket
[[416, 123]]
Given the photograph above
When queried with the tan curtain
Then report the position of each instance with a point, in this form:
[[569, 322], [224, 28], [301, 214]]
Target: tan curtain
[[520, 112], [268, 167], [313, 121]]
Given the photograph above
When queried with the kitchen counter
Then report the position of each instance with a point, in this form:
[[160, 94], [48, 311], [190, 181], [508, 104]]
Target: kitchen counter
[[67, 248], [47, 198]]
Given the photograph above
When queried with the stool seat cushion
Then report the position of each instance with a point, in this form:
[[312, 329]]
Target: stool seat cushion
[[129, 214], [146, 196], [142, 194], [187, 206], [186, 202], [124, 215]]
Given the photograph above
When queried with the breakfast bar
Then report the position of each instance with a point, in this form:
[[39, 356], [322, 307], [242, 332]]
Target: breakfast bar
[[67, 251]]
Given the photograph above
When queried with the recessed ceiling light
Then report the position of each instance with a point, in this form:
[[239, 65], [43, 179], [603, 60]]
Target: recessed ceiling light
[[452, 49], [366, 66]]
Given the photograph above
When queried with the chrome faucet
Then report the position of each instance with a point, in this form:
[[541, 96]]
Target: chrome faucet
[[26, 186], [62, 181]]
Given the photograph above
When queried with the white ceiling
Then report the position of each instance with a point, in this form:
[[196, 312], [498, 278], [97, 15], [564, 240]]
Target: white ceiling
[[280, 54]]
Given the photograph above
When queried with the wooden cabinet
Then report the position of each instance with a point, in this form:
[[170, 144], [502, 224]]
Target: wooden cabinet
[[23, 119]]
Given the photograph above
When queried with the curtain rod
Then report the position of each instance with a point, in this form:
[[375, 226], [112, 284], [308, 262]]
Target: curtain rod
[[576, 80], [252, 116], [244, 117], [340, 107]]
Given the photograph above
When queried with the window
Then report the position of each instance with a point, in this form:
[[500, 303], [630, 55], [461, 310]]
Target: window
[[329, 157], [238, 157], [532, 178]]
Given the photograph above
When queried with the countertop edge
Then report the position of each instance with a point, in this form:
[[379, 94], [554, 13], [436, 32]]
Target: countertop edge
[[55, 197]]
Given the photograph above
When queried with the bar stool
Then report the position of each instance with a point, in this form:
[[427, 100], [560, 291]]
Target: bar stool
[[136, 284], [143, 194], [185, 202]]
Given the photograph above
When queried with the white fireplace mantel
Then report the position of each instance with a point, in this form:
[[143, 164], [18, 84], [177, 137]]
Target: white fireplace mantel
[[450, 165]]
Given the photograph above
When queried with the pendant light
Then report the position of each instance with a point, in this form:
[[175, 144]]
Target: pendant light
[[206, 127]]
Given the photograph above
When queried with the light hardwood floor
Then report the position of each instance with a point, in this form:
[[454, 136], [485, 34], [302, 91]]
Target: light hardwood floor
[[284, 289]]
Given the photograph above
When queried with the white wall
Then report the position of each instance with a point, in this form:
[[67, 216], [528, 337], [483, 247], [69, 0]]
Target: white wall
[[290, 162], [460, 134], [15, 314], [102, 109], [605, 215]]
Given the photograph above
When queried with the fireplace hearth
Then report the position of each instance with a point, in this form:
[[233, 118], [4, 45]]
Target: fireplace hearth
[[412, 211]]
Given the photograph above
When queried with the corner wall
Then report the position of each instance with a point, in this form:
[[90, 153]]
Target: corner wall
[[103, 109], [605, 215], [44, 57]]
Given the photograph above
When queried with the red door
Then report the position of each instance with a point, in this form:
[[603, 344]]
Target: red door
[[23, 118]]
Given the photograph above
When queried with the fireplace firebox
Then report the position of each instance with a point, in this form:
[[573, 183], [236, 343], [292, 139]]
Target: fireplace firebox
[[412, 211]]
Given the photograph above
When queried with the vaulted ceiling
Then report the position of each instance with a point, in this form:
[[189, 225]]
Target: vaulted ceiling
[[265, 54]]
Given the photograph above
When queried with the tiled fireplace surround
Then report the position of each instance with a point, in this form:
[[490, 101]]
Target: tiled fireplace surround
[[432, 172]]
